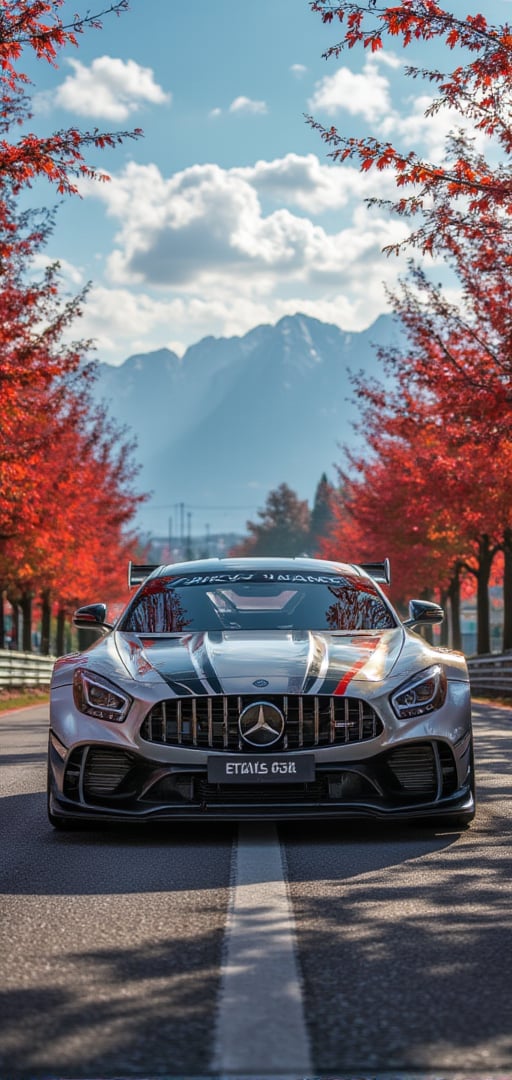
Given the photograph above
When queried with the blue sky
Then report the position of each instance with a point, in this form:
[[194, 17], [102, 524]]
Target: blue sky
[[228, 213]]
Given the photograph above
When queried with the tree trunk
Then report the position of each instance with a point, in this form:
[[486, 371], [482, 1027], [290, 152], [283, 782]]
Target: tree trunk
[[2, 619], [26, 611], [61, 629], [507, 590], [46, 615], [454, 594], [485, 556], [15, 623]]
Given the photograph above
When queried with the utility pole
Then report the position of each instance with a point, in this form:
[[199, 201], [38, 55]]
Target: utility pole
[[189, 537]]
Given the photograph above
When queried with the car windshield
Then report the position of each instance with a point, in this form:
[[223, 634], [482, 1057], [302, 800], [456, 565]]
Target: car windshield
[[256, 601]]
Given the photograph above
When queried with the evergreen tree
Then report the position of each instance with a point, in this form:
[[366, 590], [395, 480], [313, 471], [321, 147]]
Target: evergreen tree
[[283, 529], [321, 515]]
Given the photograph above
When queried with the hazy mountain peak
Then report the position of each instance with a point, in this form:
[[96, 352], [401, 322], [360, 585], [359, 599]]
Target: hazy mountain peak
[[272, 406]]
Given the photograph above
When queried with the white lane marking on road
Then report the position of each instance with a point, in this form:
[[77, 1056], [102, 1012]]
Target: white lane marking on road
[[260, 1023]]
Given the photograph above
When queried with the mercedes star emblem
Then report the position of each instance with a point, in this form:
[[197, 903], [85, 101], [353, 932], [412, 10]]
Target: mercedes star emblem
[[261, 724]]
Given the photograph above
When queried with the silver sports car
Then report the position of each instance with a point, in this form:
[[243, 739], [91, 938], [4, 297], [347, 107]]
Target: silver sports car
[[260, 688]]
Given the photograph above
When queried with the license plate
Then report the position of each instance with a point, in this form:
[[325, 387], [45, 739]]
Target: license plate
[[261, 769]]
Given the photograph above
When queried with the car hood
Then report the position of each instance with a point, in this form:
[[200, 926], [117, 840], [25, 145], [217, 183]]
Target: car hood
[[280, 662]]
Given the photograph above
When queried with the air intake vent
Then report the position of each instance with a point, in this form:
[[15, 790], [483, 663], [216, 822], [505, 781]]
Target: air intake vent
[[104, 771], [415, 769]]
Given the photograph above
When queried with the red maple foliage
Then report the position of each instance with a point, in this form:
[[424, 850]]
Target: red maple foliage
[[36, 25], [66, 471], [474, 90]]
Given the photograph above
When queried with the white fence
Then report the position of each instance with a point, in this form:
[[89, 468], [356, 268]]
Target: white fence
[[24, 669], [491, 674]]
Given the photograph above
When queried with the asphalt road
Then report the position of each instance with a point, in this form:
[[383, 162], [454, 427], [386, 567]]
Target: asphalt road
[[315, 950]]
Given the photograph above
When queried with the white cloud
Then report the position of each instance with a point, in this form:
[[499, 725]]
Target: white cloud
[[247, 105], [363, 94], [199, 252], [205, 228], [109, 88], [298, 70], [300, 180], [367, 94]]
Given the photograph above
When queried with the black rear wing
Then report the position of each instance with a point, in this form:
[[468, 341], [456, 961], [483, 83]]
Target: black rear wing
[[379, 571], [138, 572]]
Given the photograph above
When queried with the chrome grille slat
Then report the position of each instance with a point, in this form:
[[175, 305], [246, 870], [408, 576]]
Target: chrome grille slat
[[211, 721], [163, 721], [225, 723]]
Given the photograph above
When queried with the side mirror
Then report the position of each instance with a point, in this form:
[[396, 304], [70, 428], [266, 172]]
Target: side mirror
[[92, 617], [423, 613]]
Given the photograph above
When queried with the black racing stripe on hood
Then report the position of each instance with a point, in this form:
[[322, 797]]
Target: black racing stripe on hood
[[208, 669], [190, 688], [329, 685], [191, 673]]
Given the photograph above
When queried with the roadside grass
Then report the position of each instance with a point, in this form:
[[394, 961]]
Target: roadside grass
[[22, 697], [503, 702]]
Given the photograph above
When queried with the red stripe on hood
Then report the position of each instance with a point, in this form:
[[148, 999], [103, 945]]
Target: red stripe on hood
[[349, 675]]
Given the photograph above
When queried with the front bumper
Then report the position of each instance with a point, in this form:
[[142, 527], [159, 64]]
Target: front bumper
[[417, 779]]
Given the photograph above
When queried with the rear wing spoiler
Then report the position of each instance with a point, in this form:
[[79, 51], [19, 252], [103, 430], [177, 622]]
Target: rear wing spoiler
[[379, 571], [138, 572]]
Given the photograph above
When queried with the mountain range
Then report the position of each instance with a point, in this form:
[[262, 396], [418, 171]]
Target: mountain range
[[230, 420]]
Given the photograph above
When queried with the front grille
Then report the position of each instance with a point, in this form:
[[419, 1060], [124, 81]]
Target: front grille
[[211, 723]]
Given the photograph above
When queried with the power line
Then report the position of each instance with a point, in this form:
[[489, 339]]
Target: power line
[[191, 506]]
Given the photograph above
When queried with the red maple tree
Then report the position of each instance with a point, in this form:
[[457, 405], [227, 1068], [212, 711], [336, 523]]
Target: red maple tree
[[66, 473], [440, 467]]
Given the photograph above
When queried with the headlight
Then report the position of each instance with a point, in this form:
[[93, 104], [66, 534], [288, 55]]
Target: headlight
[[422, 694], [96, 697]]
